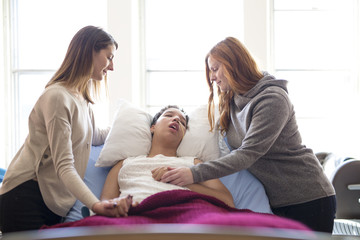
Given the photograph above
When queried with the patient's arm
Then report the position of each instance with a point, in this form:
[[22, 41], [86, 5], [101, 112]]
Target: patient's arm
[[213, 187], [111, 192], [111, 187]]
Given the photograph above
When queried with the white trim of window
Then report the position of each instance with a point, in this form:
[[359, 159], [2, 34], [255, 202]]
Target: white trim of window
[[257, 19], [357, 40], [270, 45], [124, 81], [6, 116]]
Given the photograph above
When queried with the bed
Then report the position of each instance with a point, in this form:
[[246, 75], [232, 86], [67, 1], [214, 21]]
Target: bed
[[175, 214]]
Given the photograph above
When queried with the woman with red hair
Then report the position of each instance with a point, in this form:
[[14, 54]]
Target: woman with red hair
[[258, 122]]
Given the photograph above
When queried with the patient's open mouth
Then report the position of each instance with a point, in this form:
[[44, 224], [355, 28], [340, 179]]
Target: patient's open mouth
[[174, 126]]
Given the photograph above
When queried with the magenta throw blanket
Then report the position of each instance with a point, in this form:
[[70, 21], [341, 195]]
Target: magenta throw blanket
[[187, 207]]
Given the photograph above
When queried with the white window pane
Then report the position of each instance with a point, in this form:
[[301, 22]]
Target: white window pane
[[319, 93], [30, 88], [313, 39], [179, 88], [338, 134], [101, 108], [180, 33], [45, 29]]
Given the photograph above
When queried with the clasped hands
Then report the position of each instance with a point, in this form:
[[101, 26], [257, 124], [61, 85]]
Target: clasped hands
[[117, 207]]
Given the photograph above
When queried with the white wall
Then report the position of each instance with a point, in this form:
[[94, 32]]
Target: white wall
[[256, 31], [123, 24]]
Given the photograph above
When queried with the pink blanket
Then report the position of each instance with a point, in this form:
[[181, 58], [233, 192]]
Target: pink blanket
[[182, 206]]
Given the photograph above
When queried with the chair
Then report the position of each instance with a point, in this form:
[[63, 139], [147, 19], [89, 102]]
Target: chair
[[346, 181]]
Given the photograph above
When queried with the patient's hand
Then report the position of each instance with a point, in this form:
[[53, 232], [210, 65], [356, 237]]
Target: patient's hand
[[123, 205], [117, 207], [157, 173]]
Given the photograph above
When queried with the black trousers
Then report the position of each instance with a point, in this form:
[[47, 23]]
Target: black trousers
[[318, 215], [23, 208]]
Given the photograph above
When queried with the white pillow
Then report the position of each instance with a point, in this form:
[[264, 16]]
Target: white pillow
[[130, 136], [198, 140]]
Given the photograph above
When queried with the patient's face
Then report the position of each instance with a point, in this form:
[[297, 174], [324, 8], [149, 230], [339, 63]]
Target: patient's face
[[171, 124]]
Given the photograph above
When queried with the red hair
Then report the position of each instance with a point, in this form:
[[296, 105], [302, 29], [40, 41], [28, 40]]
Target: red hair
[[241, 71]]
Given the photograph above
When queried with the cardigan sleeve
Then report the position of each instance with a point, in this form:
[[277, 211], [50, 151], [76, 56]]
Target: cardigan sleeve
[[68, 130]]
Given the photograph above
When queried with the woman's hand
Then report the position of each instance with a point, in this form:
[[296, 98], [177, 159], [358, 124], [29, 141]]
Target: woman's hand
[[157, 173], [181, 176], [117, 207]]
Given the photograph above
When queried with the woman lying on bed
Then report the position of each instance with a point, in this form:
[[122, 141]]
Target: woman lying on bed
[[133, 179], [138, 198]]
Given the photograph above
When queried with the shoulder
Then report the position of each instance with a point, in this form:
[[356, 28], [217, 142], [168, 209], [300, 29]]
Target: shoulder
[[274, 91], [273, 97], [56, 93], [56, 89], [57, 102], [119, 164], [133, 159], [276, 94]]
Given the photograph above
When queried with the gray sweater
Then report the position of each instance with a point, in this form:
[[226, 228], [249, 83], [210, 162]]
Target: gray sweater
[[264, 135]]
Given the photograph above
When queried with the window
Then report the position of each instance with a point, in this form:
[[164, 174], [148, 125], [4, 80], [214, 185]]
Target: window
[[316, 48], [178, 35], [38, 43]]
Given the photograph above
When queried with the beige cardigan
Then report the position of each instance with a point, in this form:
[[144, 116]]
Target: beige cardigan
[[56, 151]]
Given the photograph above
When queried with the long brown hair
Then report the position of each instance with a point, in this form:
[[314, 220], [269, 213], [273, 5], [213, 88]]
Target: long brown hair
[[241, 71], [77, 66]]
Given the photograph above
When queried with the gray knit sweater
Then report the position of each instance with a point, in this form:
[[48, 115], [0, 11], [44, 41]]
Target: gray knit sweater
[[264, 135]]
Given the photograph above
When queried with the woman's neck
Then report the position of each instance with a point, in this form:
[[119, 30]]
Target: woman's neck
[[164, 150]]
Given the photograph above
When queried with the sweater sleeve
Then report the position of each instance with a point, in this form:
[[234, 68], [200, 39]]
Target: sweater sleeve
[[65, 122], [59, 134], [270, 113]]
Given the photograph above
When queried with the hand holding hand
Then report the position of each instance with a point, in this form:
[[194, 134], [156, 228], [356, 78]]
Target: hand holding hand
[[157, 173], [117, 207], [181, 176]]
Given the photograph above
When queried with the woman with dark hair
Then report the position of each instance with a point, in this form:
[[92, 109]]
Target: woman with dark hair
[[45, 177], [258, 122]]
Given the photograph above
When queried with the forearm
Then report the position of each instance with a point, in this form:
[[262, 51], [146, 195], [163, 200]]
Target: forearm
[[78, 188], [107, 195], [111, 187], [223, 196]]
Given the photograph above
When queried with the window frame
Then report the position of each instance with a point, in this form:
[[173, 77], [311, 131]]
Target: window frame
[[10, 137], [324, 122], [145, 81]]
